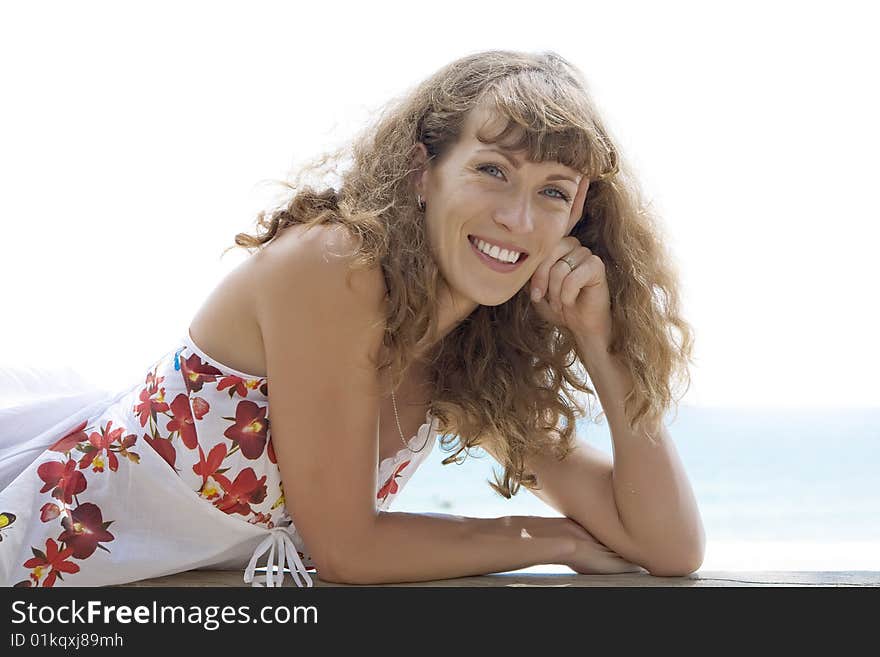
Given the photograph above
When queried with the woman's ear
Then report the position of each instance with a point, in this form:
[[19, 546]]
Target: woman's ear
[[420, 164]]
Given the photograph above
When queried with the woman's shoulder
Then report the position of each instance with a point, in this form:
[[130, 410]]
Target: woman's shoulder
[[298, 242], [293, 273], [308, 258], [311, 308]]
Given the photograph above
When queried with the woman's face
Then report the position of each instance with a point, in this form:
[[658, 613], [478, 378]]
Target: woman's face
[[476, 191]]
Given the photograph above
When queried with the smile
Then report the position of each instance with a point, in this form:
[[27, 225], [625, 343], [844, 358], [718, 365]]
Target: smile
[[494, 264]]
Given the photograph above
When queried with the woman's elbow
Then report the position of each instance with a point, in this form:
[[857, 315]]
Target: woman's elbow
[[680, 567], [344, 571]]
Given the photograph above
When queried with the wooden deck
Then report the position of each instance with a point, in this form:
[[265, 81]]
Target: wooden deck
[[230, 578]]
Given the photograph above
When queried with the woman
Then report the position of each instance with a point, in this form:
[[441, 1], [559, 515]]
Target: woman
[[384, 312]]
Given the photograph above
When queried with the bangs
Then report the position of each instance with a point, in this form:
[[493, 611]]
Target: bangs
[[549, 121]]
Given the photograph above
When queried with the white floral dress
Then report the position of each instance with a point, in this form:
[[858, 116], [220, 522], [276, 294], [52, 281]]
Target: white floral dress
[[174, 474]]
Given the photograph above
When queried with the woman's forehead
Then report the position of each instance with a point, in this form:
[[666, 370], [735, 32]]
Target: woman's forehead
[[485, 121]]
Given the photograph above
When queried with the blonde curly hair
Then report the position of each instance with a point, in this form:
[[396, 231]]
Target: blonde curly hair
[[502, 378]]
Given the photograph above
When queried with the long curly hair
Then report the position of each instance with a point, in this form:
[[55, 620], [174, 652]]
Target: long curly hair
[[503, 377]]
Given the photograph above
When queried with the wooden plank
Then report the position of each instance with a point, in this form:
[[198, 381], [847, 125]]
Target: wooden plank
[[232, 578]]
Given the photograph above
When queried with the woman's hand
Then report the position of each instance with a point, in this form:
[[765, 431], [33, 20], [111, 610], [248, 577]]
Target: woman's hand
[[569, 288], [590, 557], [572, 290]]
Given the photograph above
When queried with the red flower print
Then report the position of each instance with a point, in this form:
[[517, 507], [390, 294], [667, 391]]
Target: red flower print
[[127, 442], [163, 448], [52, 558], [262, 519], [150, 406], [71, 439], [64, 478], [196, 372], [235, 384], [200, 407], [211, 466], [84, 529], [152, 382], [250, 428], [271, 452], [264, 388], [240, 494], [100, 443], [49, 511], [390, 485], [183, 421]]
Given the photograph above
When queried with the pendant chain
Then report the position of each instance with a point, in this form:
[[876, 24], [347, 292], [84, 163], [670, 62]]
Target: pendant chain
[[397, 418]]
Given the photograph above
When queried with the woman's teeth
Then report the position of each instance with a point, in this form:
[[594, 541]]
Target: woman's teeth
[[502, 255]]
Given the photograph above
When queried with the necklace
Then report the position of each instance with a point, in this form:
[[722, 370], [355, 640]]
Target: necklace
[[396, 417]]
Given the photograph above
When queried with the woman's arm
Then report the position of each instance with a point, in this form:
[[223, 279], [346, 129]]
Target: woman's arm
[[415, 547], [321, 328], [654, 498]]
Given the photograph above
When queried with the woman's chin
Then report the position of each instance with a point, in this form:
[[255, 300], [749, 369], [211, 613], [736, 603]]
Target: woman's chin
[[493, 299]]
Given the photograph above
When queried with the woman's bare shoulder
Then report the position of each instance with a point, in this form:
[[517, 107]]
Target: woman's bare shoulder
[[227, 325], [304, 256], [306, 294]]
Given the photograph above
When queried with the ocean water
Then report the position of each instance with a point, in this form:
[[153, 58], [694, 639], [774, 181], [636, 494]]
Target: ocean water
[[777, 490]]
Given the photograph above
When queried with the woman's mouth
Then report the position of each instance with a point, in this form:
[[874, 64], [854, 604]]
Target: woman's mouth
[[493, 263]]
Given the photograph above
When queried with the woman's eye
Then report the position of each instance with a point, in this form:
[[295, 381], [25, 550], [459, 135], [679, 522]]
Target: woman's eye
[[562, 195], [483, 167]]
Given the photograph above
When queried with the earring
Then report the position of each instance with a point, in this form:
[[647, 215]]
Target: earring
[[421, 203]]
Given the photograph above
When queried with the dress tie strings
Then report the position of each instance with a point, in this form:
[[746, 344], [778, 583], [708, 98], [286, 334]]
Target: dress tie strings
[[278, 541]]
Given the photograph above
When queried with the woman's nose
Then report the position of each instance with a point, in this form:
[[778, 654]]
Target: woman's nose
[[515, 214]]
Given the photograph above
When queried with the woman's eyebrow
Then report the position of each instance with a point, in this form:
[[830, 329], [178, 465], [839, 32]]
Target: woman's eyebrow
[[516, 164]]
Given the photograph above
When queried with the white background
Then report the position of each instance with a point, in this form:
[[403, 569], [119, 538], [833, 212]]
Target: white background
[[134, 138]]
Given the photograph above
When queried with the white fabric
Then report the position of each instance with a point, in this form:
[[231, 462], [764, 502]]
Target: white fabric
[[279, 544], [160, 524], [36, 406]]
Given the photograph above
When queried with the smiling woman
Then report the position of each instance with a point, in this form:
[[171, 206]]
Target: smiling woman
[[448, 145], [371, 317], [508, 148]]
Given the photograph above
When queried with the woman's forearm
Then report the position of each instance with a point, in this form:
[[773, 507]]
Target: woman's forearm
[[416, 547], [654, 497]]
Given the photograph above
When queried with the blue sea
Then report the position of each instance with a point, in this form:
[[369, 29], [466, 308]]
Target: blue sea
[[777, 490]]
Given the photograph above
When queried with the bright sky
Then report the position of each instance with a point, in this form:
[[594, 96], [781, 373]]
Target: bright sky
[[134, 141]]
